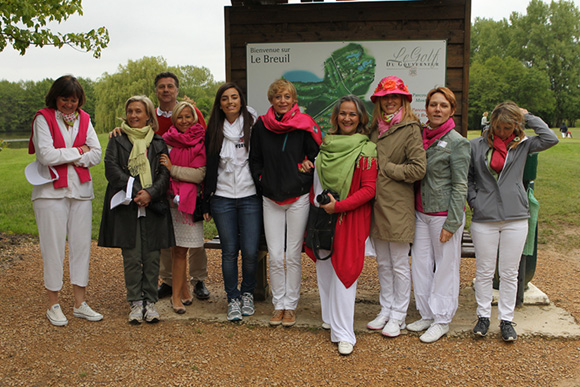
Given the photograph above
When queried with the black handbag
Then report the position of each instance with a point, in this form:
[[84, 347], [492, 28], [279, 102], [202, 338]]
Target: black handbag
[[198, 212], [320, 231]]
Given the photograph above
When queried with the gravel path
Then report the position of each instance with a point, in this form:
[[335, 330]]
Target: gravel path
[[187, 352]]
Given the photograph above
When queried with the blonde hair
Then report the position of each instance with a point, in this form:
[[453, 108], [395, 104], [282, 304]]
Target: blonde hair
[[149, 109], [508, 113], [279, 86], [408, 114], [178, 108], [360, 109]]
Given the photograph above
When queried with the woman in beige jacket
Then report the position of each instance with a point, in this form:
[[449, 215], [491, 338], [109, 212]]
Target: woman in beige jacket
[[401, 158]]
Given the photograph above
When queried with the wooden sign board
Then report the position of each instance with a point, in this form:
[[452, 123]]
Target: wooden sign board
[[364, 23]]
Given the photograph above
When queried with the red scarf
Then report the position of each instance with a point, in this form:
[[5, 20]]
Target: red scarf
[[432, 135], [292, 120], [188, 151], [499, 152], [58, 142]]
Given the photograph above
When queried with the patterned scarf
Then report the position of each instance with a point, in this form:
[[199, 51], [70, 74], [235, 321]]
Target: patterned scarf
[[389, 120], [138, 161], [69, 119]]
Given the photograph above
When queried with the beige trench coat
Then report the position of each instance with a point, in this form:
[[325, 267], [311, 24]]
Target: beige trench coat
[[402, 162]]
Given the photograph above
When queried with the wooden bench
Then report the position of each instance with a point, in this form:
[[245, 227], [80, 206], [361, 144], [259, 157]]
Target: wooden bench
[[262, 290]]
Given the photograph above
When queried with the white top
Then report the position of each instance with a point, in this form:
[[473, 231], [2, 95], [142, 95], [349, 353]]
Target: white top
[[48, 155], [234, 179]]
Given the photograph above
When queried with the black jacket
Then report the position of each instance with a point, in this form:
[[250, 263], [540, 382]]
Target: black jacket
[[275, 160], [119, 225]]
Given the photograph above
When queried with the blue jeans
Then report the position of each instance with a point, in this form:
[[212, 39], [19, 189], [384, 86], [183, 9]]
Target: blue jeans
[[239, 225]]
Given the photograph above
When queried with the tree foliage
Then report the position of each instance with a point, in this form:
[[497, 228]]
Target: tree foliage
[[19, 101], [137, 78], [106, 96], [497, 79], [24, 23], [112, 90], [545, 42]]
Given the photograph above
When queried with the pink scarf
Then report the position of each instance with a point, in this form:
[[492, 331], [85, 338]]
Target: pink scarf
[[432, 135], [188, 151], [389, 120], [499, 152], [292, 120]]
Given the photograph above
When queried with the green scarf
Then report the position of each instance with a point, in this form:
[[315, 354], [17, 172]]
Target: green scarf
[[337, 158], [138, 161]]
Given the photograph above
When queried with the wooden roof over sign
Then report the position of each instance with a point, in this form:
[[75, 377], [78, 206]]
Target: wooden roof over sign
[[260, 21]]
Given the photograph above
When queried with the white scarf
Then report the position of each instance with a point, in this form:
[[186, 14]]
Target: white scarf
[[232, 134]]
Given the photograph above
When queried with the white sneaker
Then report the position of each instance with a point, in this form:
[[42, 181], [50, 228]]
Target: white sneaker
[[345, 348], [151, 314], [85, 311], [434, 333], [136, 315], [419, 325], [393, 328], [55, 316], [378, 323], [325, 325]]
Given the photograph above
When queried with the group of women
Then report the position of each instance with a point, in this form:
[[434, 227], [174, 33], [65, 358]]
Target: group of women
[[396, 181]]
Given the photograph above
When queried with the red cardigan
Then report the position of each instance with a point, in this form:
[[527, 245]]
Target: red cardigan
[[58, 141], [354, 224]]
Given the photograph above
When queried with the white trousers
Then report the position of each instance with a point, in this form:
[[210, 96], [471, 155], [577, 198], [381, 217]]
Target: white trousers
[[435, 268], [285, 223], [56, 219], [509, 238], [394, 278], [336, 303]]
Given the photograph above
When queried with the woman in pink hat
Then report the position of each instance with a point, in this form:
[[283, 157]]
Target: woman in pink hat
[[401, 159]]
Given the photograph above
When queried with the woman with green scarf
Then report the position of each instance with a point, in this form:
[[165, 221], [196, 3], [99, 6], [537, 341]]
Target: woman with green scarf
[[140, 225], [347, 165]]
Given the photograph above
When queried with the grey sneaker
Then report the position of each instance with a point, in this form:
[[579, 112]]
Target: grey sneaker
[[55, 316], [151, 314], [85, 311], [247, 304], [481, 327], [508, 333], [234, 310], [136, 315]]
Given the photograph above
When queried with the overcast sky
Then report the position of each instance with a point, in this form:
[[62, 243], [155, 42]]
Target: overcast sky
[[184, 32]]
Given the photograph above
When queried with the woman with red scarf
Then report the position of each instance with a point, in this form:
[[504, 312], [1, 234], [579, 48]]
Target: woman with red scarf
[[185, 138], [284, 145], [440, 218], [500, 207], [66, 146]]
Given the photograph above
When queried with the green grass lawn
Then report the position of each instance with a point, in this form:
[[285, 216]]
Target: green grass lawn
[[557, 188], [16, 213]]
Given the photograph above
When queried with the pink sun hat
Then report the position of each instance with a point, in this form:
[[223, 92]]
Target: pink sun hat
[[391, 85]]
